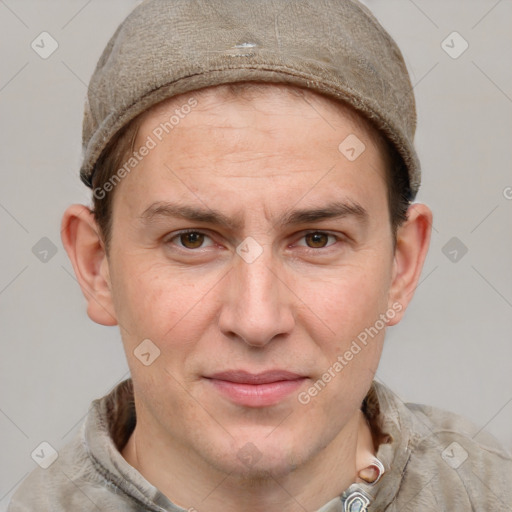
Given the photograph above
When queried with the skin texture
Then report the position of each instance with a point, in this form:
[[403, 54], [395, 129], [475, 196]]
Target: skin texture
[[294, 308]]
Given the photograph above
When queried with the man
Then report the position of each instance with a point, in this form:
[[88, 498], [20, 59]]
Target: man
[[253, 235]]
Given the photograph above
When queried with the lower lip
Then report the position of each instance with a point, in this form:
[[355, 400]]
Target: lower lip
[[257, 395]]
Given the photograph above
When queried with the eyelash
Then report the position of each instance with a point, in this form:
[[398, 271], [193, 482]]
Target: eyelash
[[184, 232], [177, 235]]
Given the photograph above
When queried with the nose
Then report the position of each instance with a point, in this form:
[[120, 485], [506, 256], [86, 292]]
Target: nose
[[257, 305]]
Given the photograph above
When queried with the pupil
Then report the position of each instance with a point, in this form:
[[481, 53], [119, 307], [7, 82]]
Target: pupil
[[192, 240], [317, 240]]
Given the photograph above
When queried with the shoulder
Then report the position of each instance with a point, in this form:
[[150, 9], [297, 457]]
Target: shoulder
[[74, 481], [456, 463], [55, 487], [90, 473]]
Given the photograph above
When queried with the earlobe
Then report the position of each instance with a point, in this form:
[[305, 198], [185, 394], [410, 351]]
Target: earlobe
[[81, 239], [413, 239]]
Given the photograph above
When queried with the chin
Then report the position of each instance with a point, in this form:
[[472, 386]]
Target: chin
[[266, 469], [259, 459]]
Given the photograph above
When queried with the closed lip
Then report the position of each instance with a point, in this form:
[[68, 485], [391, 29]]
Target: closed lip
[[244, 377]]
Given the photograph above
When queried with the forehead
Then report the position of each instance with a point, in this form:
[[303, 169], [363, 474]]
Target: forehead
[[270, 139], [274, 98]]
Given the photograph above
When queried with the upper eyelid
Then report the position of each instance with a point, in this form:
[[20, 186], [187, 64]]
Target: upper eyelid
[[171, 236], [207, 232], [338, 236], [175, 234]]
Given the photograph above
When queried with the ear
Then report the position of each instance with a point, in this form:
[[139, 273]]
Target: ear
[[81, 239], [413, 239]]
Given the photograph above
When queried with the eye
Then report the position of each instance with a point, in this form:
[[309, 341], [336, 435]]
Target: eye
[[318, 240], [191, 240]]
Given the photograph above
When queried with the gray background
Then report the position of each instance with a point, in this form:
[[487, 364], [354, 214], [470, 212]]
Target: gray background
[[452, 350]]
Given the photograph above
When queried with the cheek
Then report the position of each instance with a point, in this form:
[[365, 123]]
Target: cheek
[[155, 302], [349, 345], [347, 301]]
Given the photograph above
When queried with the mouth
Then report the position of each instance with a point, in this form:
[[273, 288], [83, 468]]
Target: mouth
[[255, 390]]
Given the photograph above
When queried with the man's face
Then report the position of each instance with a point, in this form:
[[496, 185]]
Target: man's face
[[314, 272]]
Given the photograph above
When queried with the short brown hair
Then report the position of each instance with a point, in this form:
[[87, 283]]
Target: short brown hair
[[122, 145]]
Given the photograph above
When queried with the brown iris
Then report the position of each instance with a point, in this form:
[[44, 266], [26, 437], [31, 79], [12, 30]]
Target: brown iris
[[192, 240], [317, 240]]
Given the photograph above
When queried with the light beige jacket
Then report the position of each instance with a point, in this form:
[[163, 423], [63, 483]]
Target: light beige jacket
[[435, 461]]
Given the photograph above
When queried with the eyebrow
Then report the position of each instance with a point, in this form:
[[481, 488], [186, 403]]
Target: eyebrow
[[206, 215], [335, 210]]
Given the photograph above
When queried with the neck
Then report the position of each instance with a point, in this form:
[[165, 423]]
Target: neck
[[191, 483]]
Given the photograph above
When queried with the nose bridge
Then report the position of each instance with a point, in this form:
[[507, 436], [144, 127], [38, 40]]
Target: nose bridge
[[259, 286], [258, 306]]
